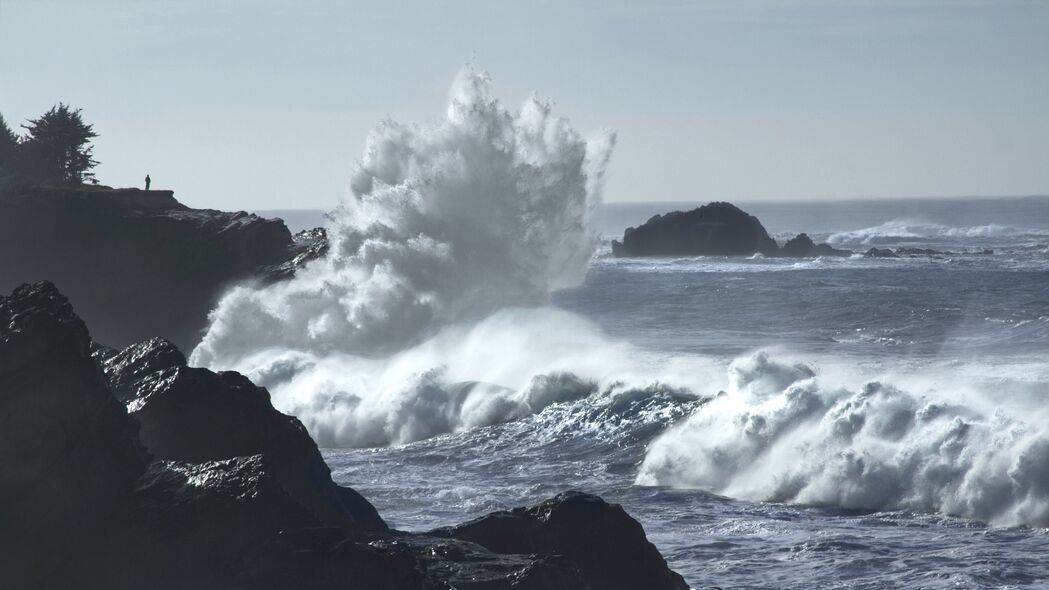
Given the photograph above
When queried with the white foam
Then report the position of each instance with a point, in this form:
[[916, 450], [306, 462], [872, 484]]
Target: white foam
[[909, 230], [782, 433], [514, 363]]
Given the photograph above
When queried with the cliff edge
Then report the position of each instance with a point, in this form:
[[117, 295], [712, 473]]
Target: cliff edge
[[138, 263]]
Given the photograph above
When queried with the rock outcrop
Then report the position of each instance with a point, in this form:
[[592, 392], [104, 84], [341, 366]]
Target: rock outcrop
[[802, 246], [880, 253], [910, 252], [69, 451], [204, 484], [138, 263], [717, 229], [307, 245], [196, 415]]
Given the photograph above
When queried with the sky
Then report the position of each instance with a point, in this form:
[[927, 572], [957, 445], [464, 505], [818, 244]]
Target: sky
[[259, 104]]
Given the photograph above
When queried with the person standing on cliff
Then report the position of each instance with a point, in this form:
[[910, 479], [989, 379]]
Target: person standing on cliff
[[147, 182]]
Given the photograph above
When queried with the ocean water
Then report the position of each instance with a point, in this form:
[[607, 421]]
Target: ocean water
[[468, 344], [861, 423]]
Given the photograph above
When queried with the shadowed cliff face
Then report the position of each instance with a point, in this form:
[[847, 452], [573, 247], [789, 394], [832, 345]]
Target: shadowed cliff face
[[139, 264]]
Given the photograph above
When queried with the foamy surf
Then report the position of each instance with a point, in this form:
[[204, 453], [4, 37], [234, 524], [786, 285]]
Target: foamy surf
[[782, 433]]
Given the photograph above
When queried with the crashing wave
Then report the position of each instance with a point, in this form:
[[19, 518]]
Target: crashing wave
[[515, 363], [906, 230], [779, 433], [448, 223]]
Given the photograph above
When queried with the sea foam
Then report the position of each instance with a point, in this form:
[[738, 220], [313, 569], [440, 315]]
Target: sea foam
[[916, 231], [782, 433]]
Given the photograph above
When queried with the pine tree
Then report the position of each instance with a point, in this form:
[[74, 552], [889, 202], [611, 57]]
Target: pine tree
[[56, 147], [8, 146]]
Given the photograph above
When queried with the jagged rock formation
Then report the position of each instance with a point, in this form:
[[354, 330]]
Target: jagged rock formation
[[228, 416], [138, 263], [307, 245], [717, 229], [880, 253], [219, 490], [908, 252], [802, 246]]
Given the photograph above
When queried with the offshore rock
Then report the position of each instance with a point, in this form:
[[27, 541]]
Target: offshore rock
[[138, 263], [802, 246], [717, 229], [880, 253]]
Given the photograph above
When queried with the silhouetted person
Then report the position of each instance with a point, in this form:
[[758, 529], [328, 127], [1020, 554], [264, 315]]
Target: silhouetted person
[[147, 182]]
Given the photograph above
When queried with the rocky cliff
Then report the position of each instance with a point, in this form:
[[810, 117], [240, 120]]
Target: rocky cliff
[[138, 263], [129, 469]]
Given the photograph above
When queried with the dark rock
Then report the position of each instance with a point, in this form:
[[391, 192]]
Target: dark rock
[[717, 229], [462, 564], [68, 450], [138, 263], [307, 245], [802, 246], [608, 547], [825, 249], [880, 253], [130, 369], [196, 415], [919, 252], [236, 526]]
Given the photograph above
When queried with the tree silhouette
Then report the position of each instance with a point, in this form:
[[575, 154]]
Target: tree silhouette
[[56, 147], [8, 145]]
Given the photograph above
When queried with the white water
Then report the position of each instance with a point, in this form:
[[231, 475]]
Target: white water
[[448, 223], [783, 433], [512, 364], [904, 230]]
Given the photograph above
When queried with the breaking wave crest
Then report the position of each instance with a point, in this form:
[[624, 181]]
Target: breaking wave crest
[[907, 230], [515, 363], [782, 433]]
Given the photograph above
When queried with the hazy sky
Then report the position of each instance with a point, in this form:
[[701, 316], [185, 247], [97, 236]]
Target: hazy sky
[[256, 104]]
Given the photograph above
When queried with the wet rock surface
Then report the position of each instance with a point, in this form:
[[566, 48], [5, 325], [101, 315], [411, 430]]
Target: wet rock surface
[[607, 545], [307, 245]]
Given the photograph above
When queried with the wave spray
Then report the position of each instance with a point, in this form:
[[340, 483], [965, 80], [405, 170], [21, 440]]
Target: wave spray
[[447, 223]]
